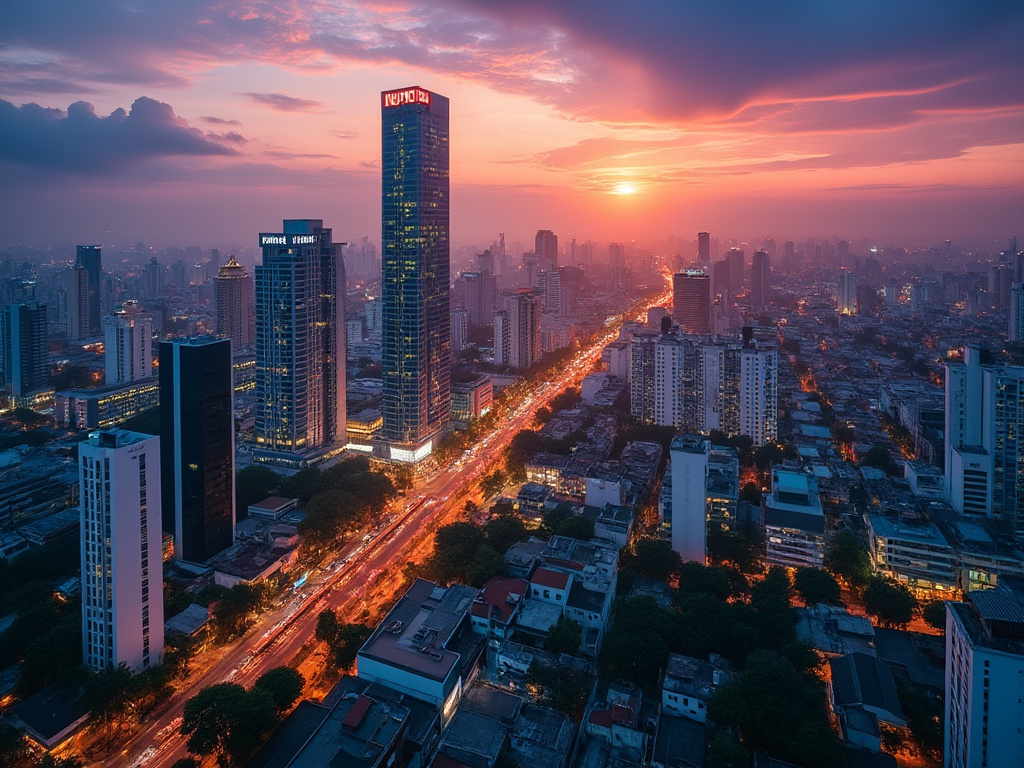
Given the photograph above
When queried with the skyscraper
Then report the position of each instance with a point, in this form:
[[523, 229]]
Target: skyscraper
[[704, 248], [642, 376], [737, 269], [76, 297], [197, 436], [416, 342], [846, 301], [88, 258], [122, 569], [760, 280], [524, 312], [128, 345], [689, 462], [546, 248], [691, 307], [236, 316], [300, 345], [24, 347]]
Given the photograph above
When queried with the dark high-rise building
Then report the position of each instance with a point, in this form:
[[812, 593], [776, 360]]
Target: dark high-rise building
[[300, 345], [24, 347], [704, 247], [88, 258], [691, 307], [760, 279], [236, 316], [416, 340], [737, 269], [546, 248], [197, 446]]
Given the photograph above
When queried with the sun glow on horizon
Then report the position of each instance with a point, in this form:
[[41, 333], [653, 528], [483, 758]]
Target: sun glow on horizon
[[624, 188]]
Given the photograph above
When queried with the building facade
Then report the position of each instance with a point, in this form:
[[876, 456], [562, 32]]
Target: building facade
[[128, 345], [300, 346], [24, 348], [760, 280], [236, 313], [689, 457], [416, 339], [794, 520], [197, 430], [524, 317], [88, 257], [122, 569], [691, 307]]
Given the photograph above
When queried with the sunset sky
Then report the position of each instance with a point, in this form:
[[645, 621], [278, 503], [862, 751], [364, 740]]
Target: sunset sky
[[195, 121]]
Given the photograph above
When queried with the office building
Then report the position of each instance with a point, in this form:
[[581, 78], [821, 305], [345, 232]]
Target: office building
[[737, 268], [1015, 332], [197, 442], [24, 348], [549, 288], [688, 525], [102, 407], [984, 687], [704, 248], [794, 520], [476, 292], [760, 280], [984, 421], [300, 346], [691, 306], [76, 302], [122, 569], [524, 313], [128, 345], [846, 301], [416, 344], [236, 313], [914, 552], [154, 276], [460, 330], [472, 399], [502, 338], [88, 258], [546, 250]]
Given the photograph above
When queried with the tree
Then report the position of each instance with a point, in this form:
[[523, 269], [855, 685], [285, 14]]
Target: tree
[[848, 558], [889, 601], [652, 557], [639, 623], [742, 549], [543, 415], [792, 726], [253, 484], [343, 640], [576, 527], [924, 718], [455, 546], [283, 684], [726, 752], [816, 586], [504, 530], [564, 637], [563, 689], [878, 456], [934, 614], [227, 721], [185, 762], [486, 564], [234, 611], [721, 583]]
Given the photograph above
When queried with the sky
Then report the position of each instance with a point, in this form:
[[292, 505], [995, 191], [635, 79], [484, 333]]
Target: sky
[[180, 122]]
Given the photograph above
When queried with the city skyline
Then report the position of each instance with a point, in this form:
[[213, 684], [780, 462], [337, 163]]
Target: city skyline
[[892, 122]]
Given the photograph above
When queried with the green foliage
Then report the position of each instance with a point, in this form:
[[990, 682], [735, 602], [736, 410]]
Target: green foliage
[[923, 711], [543, 415], [564, 637], [651, 557], [343, 640], [504, 530], [792, 725], [742, 549], [108, 695], [14, 748], [848, 558], [66, 761], [744, 444], [718, 582], [816, 586], [283, 684], [726, 752], [455, 546], [493, 482], [767, 454], [934, 613], [486, 564], [29, 578], [878, 456], [227, 721], [576, 527], [889, 601], [72, 377], [563, 689], [253, 484], [639, 623], [235, 611], [46, 638], [751, 494], [185, 762]]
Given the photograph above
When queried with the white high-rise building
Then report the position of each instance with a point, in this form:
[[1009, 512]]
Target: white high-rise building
[[549, 286], [524, 313], [689, 457], [985, 678], [670, 366], [128, 345], [1016, 329], [460, 323], [122, 567], [984, 450], [759, 414], [502, 341]]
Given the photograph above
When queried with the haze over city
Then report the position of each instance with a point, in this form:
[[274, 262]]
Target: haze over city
[[199, 122]]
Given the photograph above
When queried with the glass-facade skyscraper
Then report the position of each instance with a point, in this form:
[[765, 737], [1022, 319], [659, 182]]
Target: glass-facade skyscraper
[[300, 346], [88, 257], [416, 341]]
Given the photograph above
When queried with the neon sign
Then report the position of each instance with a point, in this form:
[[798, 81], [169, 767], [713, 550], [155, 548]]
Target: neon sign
[[405, 96], [288, 239]]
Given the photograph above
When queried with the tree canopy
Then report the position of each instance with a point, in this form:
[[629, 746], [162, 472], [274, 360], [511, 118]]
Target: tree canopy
[[815, 585], [227, 721], [847, 557], [283, 684], [892, 603]]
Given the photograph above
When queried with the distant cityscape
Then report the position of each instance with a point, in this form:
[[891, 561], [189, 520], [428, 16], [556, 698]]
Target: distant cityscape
[[681, 503]]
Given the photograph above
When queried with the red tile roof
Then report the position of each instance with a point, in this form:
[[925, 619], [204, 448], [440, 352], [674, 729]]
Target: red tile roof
[[496, 597], [553, 579]]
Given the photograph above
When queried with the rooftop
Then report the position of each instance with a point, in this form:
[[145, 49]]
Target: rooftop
[[690, 444], [859, 680], [891, 528]]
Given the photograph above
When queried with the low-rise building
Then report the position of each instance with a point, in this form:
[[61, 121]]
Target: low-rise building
[[472, 399], [689, 683], [497, 606], [914, 552]]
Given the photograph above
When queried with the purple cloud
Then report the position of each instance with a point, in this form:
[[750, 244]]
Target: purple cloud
[[282, 103], [80, 141]]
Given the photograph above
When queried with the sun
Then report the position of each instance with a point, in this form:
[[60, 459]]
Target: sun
[[624, 188]]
